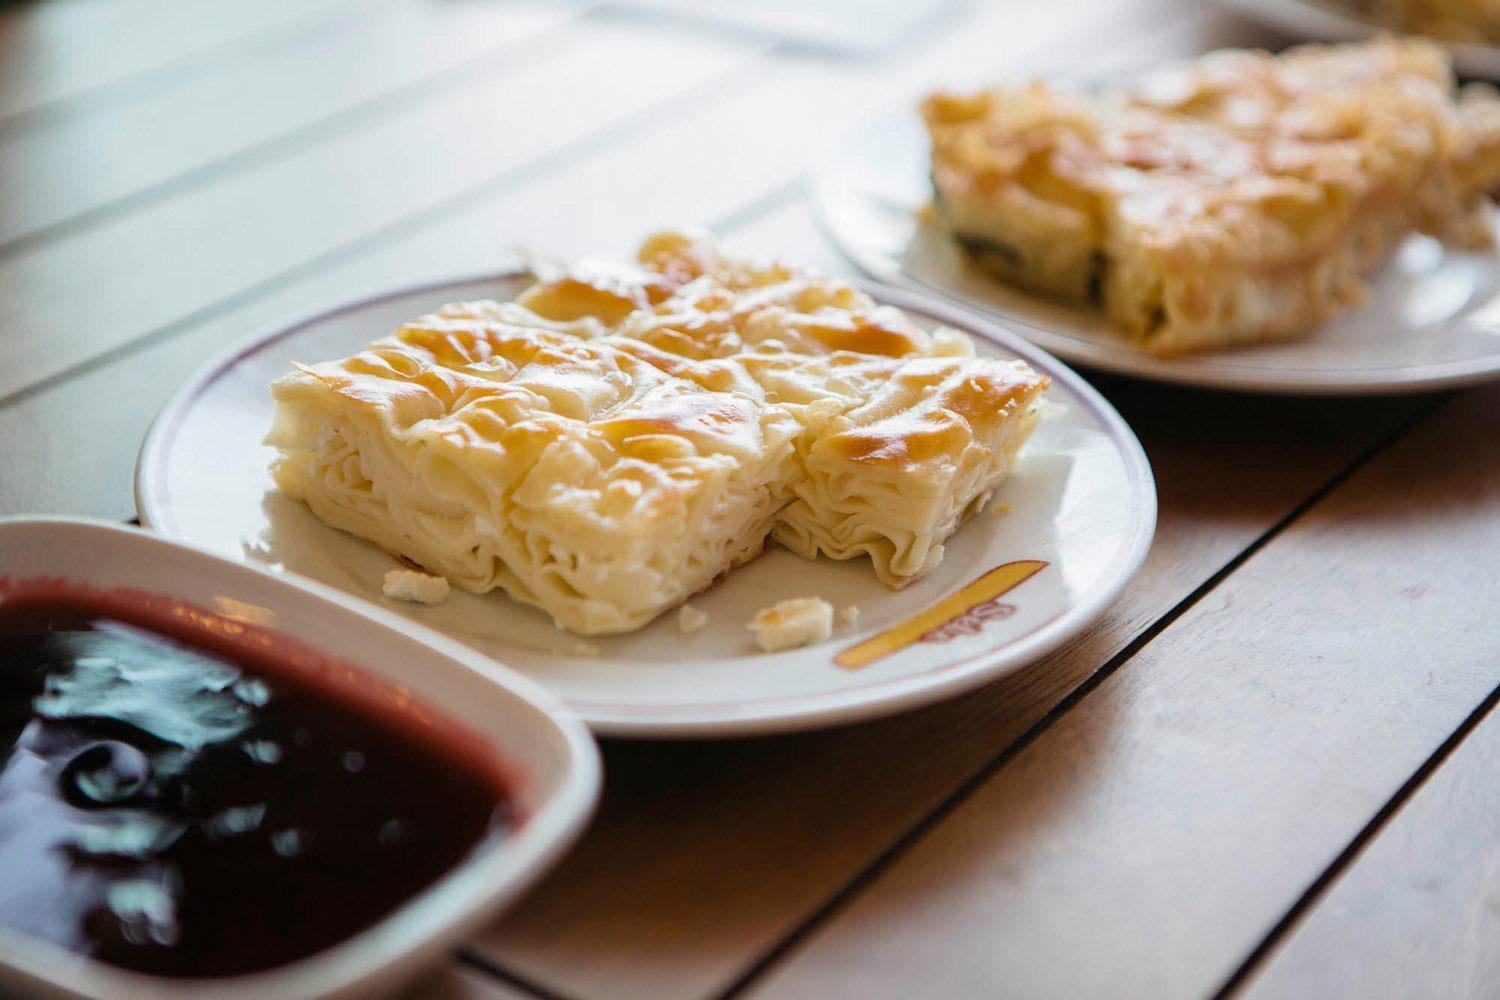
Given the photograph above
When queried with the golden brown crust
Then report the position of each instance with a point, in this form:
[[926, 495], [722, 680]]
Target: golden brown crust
[[1238, 197], [618, 437]]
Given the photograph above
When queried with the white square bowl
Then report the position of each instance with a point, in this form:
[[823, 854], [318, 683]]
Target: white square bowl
[[553, 759]]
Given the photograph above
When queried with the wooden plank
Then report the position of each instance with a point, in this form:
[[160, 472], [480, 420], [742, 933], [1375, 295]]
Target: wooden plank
[[460, 982], [588, 929], [1418, 912], [298, 90], [142, 271], [56, 53], [817, 830], [702, 859], [686, 941], [104, 413], [1143, 844], [192, 225]]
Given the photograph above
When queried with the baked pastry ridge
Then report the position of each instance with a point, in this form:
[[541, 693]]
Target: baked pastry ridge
[[1237, 198], [616, 438]]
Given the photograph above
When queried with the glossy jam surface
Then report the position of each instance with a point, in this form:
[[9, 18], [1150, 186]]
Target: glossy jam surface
[[188, 809]]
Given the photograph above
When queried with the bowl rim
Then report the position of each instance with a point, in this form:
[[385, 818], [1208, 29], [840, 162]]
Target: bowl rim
[[421, 927]]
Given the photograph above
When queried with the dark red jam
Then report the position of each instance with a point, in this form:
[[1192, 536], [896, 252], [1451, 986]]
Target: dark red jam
[[187, 795]]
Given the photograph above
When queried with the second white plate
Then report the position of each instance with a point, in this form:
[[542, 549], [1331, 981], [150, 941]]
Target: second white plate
[[1010, 589], [1433, 320]]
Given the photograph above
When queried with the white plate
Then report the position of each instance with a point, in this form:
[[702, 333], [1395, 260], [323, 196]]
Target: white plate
[[1432, 322], [553, 759], [1083, 498], [1328, 23]]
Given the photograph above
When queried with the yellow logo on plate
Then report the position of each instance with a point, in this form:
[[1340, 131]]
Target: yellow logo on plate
[[983, 590]]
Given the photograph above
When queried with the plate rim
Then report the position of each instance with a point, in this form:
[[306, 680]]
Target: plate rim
[[700, 720], [1307, 21], [827, 185]]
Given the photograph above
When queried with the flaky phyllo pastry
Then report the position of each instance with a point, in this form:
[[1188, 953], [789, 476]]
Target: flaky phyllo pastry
[[615, 439], [1241, 197]]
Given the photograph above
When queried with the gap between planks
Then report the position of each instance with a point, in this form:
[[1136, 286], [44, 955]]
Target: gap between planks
[[136, 83], [679, 104], [497, 972], [212, 242], [1320, 887], [529, 46], [1333, 696], [562, 951], [907, 840], [783, 195]]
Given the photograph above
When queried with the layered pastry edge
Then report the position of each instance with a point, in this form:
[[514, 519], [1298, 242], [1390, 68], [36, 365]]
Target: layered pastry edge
[[616, 439], [1237, 198]]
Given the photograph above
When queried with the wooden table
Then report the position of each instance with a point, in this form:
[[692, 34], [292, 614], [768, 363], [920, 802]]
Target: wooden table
[[1270, 771]]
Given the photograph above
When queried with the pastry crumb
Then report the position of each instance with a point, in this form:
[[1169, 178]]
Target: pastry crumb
[[849, 615], [800, 621], [950, 343], [1049, 409], [1000, 509], [415, 587], [585, 649], [690, 619]]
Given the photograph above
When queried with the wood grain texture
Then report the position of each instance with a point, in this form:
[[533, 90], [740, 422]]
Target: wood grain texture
[[707, 858], [105, 412], [139, 272], [691, 909], [700, 861], [53, 53], [1145, 843], [1418, 912], [302, 89]]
